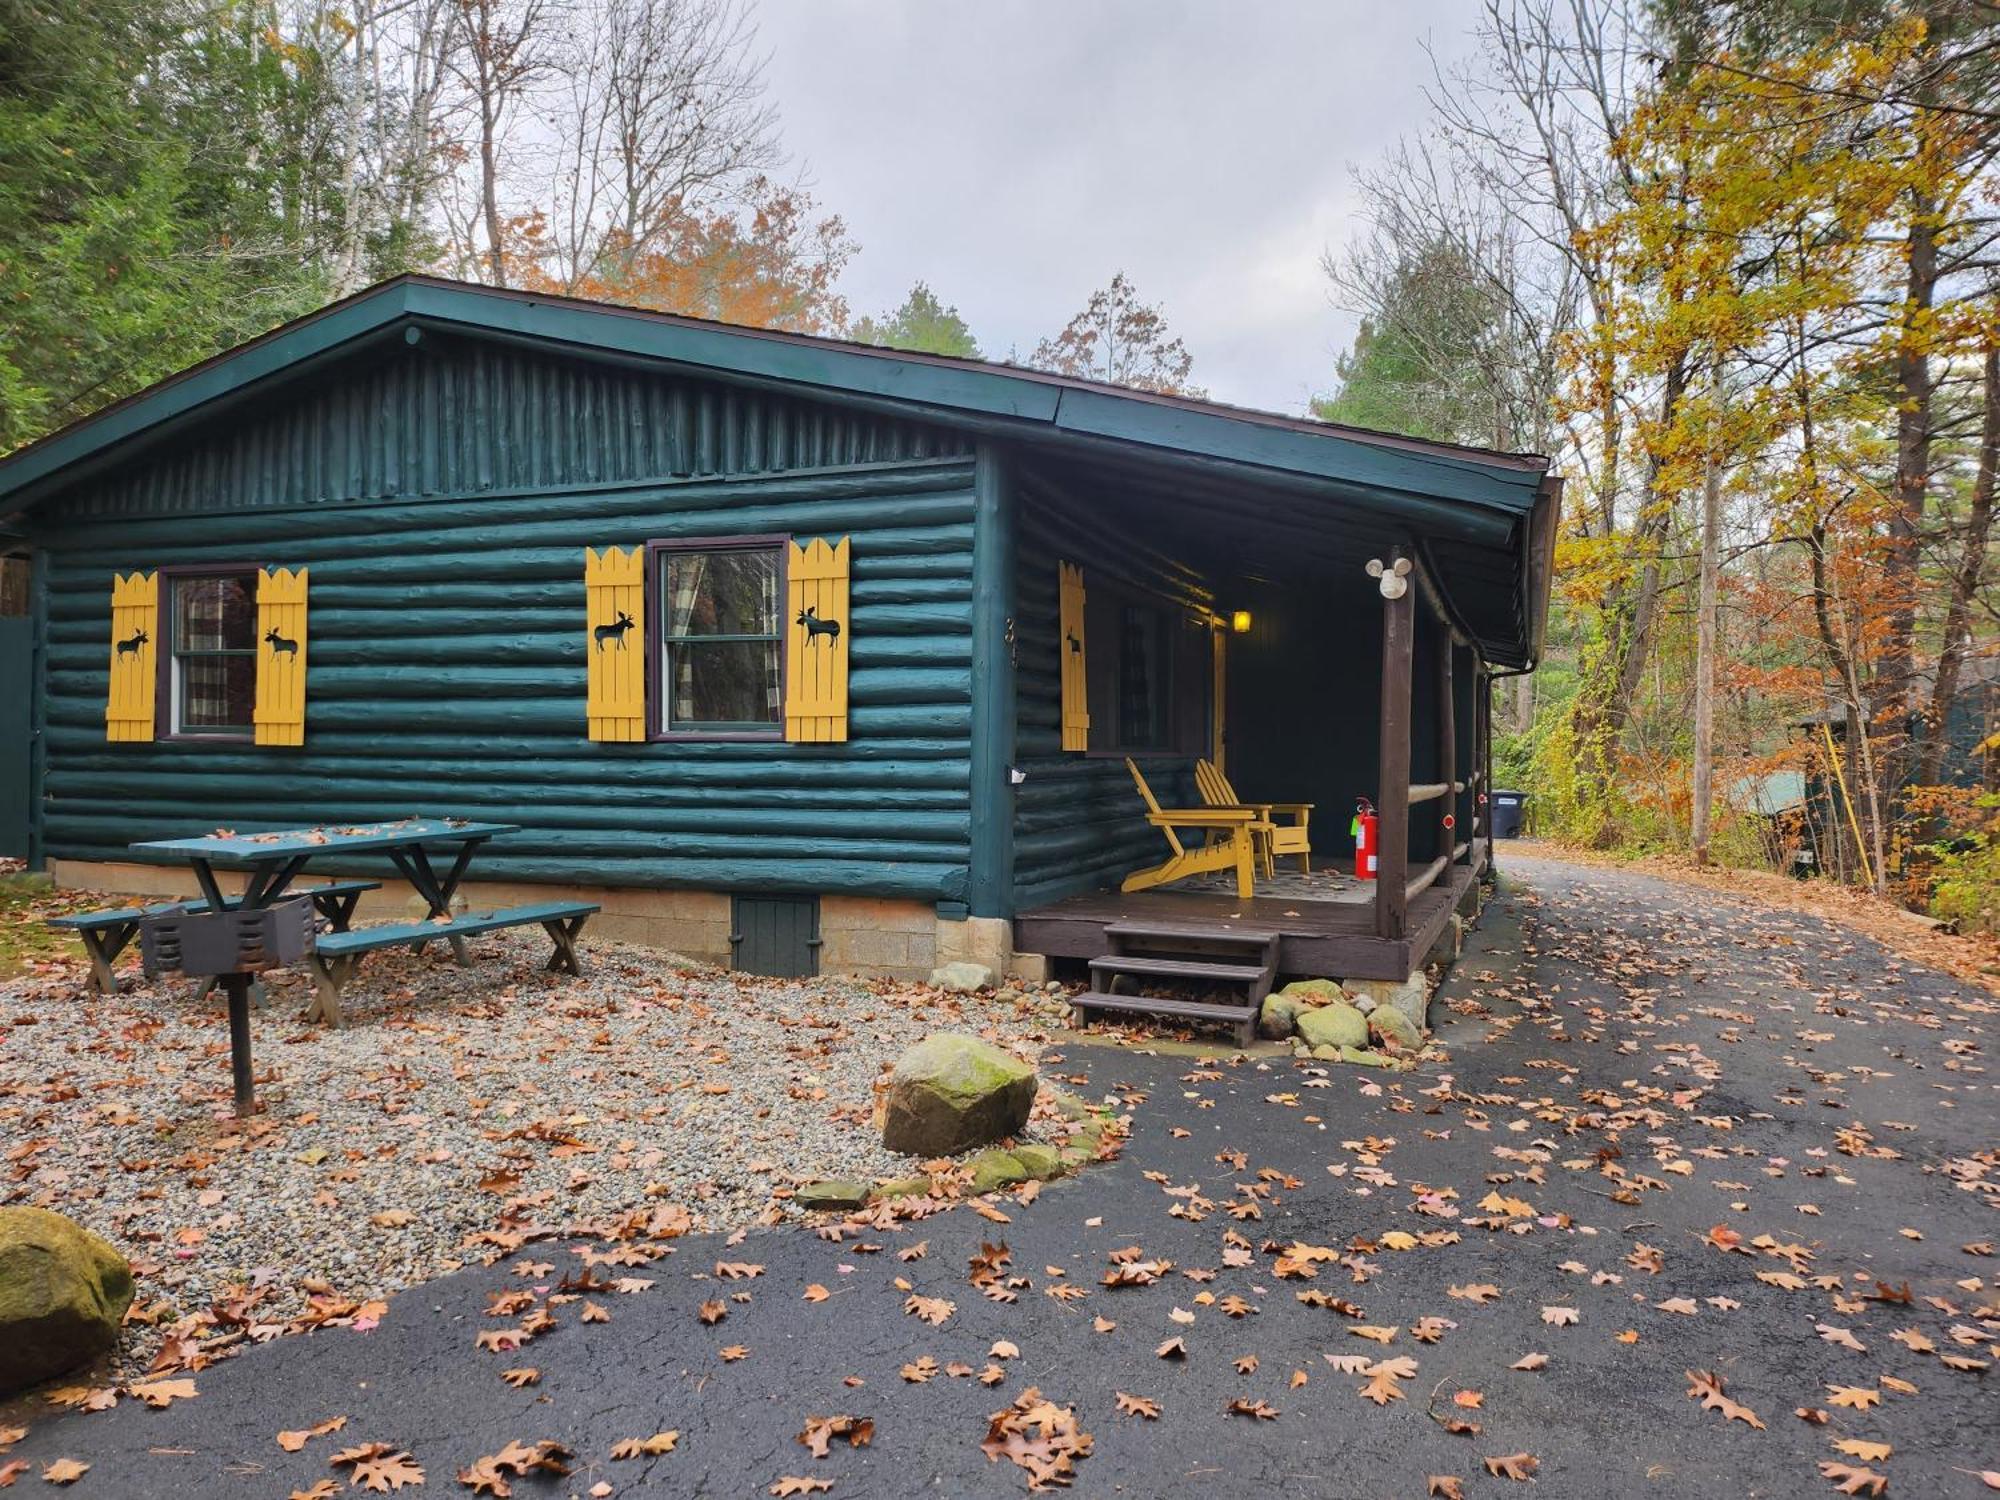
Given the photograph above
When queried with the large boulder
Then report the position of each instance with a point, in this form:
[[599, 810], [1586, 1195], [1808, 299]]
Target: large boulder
[[63, 1295], [1334, 1024], [951, 1092]]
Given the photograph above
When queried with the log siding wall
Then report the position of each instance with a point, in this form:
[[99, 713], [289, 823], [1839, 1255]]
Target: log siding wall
[[448, 669], [1078, 821]]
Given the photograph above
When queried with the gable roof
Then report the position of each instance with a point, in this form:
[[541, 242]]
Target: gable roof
[[1497, 502]]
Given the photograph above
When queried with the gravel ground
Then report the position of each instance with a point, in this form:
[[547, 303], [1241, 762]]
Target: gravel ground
[[458, 1110]]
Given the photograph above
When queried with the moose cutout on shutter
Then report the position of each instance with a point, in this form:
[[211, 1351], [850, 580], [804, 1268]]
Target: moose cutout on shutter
[[280, 716], [816, 641], [614, 586], [1075, 683], [135, 614]]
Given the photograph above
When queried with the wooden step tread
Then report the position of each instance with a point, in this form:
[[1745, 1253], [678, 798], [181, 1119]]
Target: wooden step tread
[[1192, 932], [1180, 968], [1203, 1010]]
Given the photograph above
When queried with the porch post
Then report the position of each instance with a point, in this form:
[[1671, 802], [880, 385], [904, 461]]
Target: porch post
[[991, 892], [1392, 863], [1447, 741]]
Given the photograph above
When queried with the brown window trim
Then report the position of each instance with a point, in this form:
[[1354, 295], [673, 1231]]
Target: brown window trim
[[656, 638], [163, 664]]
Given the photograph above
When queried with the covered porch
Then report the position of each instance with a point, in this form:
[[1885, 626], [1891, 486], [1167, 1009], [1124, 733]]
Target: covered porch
[[1334, 641]]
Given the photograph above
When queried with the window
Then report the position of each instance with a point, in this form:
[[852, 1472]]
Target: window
[[1145, 676], [211, 631], [1150, 682], [721, 645]]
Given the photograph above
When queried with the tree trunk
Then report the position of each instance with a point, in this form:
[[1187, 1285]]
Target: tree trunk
[[1893, 690], [1964, 587], [489, 186], [1704, 651]]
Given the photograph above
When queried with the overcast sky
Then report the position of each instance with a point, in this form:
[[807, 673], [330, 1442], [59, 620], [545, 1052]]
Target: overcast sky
[[1015, 155]]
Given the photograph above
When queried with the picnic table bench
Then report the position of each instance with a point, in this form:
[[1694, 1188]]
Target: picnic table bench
[[337, 955], [106, 934]]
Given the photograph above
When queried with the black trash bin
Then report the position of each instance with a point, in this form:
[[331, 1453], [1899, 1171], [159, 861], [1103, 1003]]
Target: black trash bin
[[1508, 809]]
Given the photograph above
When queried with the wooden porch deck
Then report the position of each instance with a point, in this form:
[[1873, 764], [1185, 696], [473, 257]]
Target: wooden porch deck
[[1317, 939]]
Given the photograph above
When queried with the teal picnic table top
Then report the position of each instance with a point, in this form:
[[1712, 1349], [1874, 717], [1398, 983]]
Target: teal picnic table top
[[340, 839]]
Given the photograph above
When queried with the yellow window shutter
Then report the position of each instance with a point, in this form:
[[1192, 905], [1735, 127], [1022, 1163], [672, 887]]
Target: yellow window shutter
[[614, 586], [1075, 691], [816, 641], [280, 716], [135, 615]]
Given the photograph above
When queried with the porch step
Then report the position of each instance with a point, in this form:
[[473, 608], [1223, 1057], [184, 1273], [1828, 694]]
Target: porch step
[[1178, 968], [1192, 932], [1146, 955], [1245, 1021]]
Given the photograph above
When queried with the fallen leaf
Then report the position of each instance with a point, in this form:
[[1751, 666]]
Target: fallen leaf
[[1239, 1407], [1444, 1486], [820, 1431], [65, 1471], [1851, 1480], [1513, 1466], [801, 1484], [1138, 1406], [1706, 1386], [1559, 1317], [1530, 1362], [1861, 1448], [1854, 1397], [646, 1447]]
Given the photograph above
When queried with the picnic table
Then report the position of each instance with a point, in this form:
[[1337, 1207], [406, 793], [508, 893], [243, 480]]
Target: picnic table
[[276, 859]]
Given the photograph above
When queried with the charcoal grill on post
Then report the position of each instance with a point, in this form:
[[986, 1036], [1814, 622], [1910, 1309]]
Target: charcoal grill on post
[[231, 945]]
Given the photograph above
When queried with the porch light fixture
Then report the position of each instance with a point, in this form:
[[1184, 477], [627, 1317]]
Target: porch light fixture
[[1239, 621]]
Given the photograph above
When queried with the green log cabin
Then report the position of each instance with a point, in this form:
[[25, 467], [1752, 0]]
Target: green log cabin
[[793, 653]]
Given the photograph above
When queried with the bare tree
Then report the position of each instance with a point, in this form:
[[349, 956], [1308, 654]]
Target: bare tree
[[505, 49], [665, 117]]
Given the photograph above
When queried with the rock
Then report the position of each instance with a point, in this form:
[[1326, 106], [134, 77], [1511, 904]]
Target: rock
[[1313, 991], [839, 1192], [1364, 1059], [1325, 1054], [962, 978], [904, 1187], [951, 1092], [1277, 1017], [1040, 1161], [996, 1169], [1412, 996], [1334, 1024], [63, 1293], [1068, 1105], [1394, 1030], [1363, 1003]]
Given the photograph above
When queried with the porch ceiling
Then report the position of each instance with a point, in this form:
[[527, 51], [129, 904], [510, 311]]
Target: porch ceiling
[[1487, 567]]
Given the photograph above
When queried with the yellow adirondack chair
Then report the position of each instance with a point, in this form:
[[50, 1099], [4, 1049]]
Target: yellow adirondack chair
[[1272, 838], [1227, 844]]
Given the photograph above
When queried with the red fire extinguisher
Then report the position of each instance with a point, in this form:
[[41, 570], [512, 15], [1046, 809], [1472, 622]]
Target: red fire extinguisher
[[1363, 830]]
